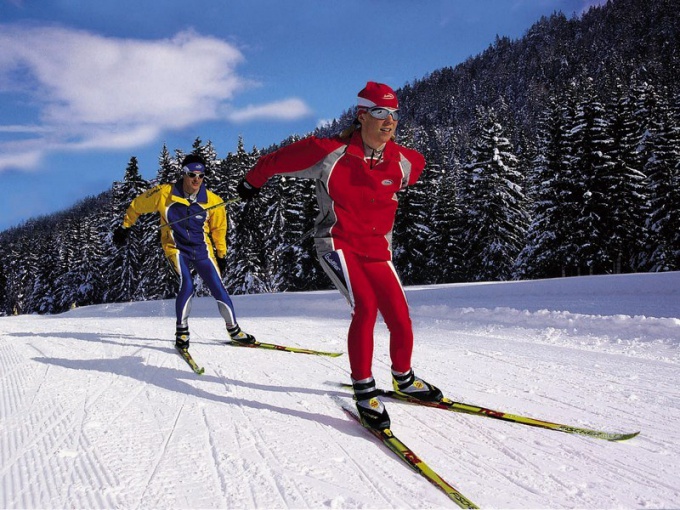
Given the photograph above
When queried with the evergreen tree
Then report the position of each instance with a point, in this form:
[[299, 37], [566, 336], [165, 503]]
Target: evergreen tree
[[127, 261], [65, 292], [80, 284], [412, 228], [544, 254], [31, 290], [17, 283], [45, 288], [445, 255], [495, 219], [590, 211], [168, 168], [663, 170], [291, 252], [591, 168], [308, 274], [626, 195], [246, 259], [4, 301], [213, 176]]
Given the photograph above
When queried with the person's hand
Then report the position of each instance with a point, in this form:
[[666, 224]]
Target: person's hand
[[120, 236], [222, 264], [246, 190]]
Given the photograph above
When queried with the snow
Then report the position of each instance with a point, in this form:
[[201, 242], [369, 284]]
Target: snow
[[97, 411]]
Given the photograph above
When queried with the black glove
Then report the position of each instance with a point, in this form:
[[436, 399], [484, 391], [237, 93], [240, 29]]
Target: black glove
[[222, 264], [246, 190], [120, 236]]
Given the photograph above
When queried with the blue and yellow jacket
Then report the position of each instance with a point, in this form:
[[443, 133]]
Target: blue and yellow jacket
[[199, 235]]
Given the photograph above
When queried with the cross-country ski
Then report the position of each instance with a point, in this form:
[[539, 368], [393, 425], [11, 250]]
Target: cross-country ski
[[447, 404], [411, 459], [285, 348]]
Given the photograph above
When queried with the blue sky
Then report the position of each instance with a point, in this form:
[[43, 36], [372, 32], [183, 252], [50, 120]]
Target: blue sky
[[85, 85]]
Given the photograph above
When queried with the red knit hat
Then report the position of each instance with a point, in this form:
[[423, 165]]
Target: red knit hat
[[377, 94]]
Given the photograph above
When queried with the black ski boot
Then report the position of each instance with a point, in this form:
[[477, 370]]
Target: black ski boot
[[240, 336], [406, 383], [371, 410], [182, 337]]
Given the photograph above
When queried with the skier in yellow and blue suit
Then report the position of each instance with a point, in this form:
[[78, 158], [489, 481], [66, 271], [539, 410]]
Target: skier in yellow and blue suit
[[194, 238]]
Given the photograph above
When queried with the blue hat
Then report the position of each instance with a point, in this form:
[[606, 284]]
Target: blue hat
[[193, 163]]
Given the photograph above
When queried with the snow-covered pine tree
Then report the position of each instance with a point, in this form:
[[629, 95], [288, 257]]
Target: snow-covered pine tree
[[4, 301], [626, 194], [543, 254], [18, 273], [290, 219], [31, 274], [663, 171], [446, 257], [590, 167], [246, 254], [168, 168], [412, 229], [83, 260], [492, 202], [126, 263]]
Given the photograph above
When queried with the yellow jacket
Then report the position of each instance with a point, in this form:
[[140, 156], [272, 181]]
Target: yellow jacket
[[198, 234]]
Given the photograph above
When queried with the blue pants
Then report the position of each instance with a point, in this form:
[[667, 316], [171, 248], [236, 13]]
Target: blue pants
[[209, 272]]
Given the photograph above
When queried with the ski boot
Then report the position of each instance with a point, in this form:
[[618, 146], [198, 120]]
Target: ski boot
[[371, 410], [237, 335], [406, 383], [182, 337]]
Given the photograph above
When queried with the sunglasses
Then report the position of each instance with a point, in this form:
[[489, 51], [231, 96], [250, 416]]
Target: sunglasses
[[383, 113], [195, 174]]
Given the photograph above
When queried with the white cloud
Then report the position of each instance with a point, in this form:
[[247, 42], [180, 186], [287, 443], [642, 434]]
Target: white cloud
[[99, 92], [18, 128], [20, 159], [282, 110], [118, 139]]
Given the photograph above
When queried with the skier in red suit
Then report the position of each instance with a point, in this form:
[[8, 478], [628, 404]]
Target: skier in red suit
[[358, 174]]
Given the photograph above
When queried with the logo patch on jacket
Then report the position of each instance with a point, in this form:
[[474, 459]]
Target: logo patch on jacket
[[387, 182], [152, 191]]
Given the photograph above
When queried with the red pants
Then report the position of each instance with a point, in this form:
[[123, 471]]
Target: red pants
[[371, 287]]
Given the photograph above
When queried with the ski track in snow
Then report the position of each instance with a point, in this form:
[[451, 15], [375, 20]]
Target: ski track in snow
[[98, 411]]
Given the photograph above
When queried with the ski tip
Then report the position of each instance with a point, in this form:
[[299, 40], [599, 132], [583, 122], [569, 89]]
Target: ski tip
[[624, 437]]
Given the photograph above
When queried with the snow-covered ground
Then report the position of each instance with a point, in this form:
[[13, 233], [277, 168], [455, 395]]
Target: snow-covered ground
[[97, 410]]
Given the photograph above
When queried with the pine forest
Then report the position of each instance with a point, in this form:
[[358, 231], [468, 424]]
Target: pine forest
[[556, 154]]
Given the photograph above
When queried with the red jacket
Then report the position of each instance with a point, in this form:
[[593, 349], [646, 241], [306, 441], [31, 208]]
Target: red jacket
[[357, 203]]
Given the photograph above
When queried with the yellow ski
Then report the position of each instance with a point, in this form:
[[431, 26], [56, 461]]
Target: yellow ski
[[286, 348], [460, 407], [414, 462], [186, 356]]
